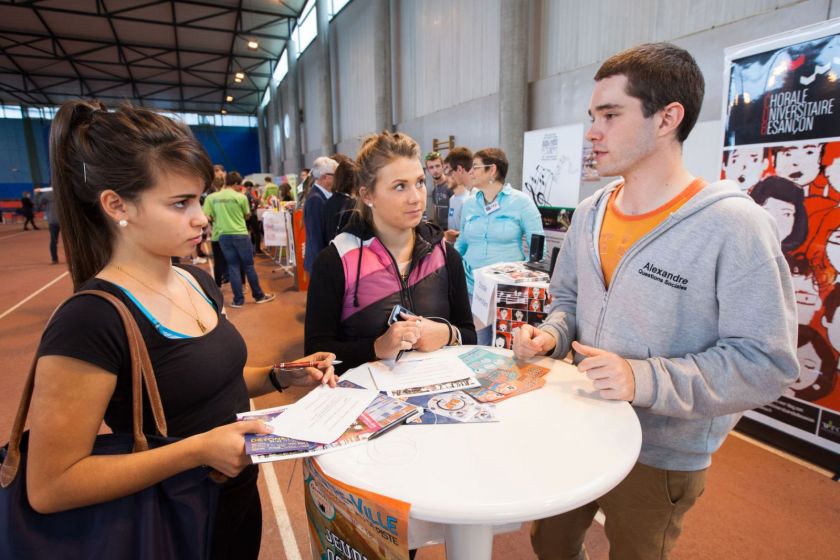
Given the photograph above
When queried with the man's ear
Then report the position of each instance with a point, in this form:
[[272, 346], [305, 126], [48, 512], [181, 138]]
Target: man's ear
[[671, 116], [113, 205]]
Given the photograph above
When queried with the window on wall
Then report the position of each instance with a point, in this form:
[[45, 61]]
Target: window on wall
[[10, 112], [307, 27], [282, 68], [266, 98]]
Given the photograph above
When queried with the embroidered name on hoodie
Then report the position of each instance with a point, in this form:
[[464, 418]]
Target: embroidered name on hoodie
[[668, 278]]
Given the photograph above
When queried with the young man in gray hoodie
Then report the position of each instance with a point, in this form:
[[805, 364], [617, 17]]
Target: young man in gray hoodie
[[674, 295]]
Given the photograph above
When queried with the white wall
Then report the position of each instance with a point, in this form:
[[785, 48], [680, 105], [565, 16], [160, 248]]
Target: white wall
[[311, 99], [353, 72], [447, 53]]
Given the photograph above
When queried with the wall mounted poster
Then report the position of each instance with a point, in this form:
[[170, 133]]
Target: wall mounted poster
[[551, 165], [347, 523], [781, 146]]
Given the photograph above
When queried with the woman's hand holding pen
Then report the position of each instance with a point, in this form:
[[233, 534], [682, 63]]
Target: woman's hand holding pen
[[323, 373], [401, 335]]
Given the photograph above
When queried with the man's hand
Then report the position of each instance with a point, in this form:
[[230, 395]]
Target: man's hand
[[530, 341], [610, 373]]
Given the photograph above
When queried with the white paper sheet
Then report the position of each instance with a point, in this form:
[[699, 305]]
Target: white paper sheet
[[324, 414], [418, 371]]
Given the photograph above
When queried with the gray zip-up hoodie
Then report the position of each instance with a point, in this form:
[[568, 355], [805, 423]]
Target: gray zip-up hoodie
[[702, 307]]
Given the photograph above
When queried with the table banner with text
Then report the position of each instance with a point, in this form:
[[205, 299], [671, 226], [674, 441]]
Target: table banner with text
[[347, 523]]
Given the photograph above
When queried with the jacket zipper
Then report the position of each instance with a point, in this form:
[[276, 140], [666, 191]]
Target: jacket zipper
[[638, 246], [405, 294]]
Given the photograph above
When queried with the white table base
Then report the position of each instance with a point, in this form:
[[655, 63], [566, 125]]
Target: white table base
[[469, 542]]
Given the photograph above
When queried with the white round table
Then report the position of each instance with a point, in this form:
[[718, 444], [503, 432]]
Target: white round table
[[554, 449]]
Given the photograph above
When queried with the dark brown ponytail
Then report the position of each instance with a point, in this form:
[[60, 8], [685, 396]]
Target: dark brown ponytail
[[92, 150]]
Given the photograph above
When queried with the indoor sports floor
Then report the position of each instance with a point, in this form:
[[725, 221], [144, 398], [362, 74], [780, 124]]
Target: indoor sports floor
[[758, 503]]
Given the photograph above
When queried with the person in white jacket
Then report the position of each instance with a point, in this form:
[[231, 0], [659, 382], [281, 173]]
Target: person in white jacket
[[674, 295]]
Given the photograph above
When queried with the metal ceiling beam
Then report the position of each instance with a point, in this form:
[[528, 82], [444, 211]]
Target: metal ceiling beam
[[69, 11], [270, 57], [230, 55], [138, 7], [244, 90], [284, 12], [121, 52], [169, 68], [16, 93], [61, 48], [177, 53], [23, 74]]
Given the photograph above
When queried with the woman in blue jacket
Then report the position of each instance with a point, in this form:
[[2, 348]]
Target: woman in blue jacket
[[496, 223]]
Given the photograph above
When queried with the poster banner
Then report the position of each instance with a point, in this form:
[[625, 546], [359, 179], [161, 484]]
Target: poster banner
[[781, 145], [276, 228], [346, 523], [300, 246], [551, 166]]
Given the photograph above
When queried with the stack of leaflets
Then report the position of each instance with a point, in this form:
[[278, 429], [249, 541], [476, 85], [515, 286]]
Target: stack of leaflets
[[381, 415], [500, 376], [516, 273]]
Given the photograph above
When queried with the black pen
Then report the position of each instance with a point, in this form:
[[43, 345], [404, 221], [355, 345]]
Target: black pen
[[391, 427]]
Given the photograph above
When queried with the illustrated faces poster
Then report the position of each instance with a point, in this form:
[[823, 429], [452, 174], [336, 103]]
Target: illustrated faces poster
[[517, 306], [782, 147], [551, 165], [349, 523]]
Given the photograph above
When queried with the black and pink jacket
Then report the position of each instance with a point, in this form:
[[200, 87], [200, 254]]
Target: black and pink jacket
[[355, 284]]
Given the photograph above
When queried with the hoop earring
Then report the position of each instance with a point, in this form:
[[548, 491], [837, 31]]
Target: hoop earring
[[123, 223]]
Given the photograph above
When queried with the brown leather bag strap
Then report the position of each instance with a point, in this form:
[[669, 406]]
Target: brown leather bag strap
[[141, 371], [141, 367]]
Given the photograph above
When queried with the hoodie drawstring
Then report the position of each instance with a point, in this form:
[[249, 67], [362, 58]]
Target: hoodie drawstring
[[358, 274]]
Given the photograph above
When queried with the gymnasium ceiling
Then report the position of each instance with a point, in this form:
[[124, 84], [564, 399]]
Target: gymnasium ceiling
[[173, 55]]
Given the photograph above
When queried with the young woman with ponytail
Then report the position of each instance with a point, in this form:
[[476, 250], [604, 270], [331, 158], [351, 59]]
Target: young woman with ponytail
[[386, 256], [127, 186]]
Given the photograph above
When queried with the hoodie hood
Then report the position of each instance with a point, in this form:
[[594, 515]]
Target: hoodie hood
[[709, 194], [425, 231]]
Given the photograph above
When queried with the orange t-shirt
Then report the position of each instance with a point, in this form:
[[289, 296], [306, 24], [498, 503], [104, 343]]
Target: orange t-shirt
[[620, 231]]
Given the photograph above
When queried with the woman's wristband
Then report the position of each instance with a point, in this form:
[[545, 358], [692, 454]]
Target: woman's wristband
[[273, 377]]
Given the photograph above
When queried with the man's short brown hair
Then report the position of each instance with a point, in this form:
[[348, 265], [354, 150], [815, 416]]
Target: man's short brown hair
[[459, 156], [659, 74]]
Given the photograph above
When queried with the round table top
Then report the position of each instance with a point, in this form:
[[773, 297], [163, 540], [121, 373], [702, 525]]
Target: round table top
[[553, 449]]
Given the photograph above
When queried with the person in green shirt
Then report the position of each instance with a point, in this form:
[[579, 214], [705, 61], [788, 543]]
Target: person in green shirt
[[228, 209], [270, 190]]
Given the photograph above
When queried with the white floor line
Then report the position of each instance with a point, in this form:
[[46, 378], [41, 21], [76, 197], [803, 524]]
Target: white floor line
[[788, 456], [13, 235], [278, 506], [34, 294]]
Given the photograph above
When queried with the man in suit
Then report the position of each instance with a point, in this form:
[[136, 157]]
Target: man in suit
[[323, 171]]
